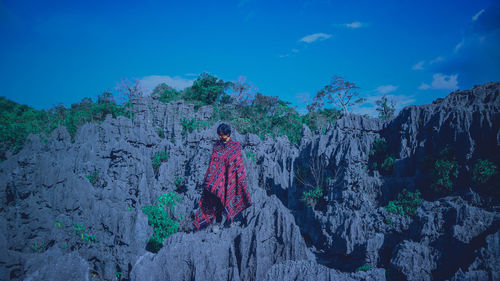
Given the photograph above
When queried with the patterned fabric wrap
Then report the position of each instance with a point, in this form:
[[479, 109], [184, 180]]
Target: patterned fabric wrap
[[225, 178]]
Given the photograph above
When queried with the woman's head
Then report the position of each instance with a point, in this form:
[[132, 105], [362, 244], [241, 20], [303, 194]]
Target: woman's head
[[224, 131]]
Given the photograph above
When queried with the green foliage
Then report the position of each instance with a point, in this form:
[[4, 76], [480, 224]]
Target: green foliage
[[158, 157], [483, 170], [180, 187], [160, 132], [388, 221], [93, 178], [18, 121], [379, 158], [339, 92], [365, 267], [321, 118], [192, 124], [264, 115], [162, 220], [207, 89], [166, 93], [385, 109], [251, 155], [80, 231], [406, 204], [38, 246], [311, 196], [178, 181], [444, 170]]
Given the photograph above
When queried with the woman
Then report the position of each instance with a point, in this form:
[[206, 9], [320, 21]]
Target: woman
[[224, 186]]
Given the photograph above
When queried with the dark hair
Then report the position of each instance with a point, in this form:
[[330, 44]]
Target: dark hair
[[224, 129]]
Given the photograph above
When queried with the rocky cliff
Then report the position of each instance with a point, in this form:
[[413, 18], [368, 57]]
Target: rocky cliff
[[47, 200]]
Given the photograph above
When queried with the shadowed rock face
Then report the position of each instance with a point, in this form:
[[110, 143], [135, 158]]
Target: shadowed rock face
[[46, 196]]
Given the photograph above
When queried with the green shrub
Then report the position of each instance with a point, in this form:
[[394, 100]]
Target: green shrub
[[365, 267], [166, 93], [321, 118], [38, 246], [483, 170], [158, 157], [388, 221], [80, 232], [160, 132], [206, 90], [251, 155], [180, 187], [386, 109], [444, 170], [192, 124], [406, 204], [93, 178], [178, 181], [162, 220], [311, 196], [17, 121], [379, 158]]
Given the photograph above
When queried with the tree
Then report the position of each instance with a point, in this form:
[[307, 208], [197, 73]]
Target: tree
[[105, 97], [339, 92], [385, 110], [243, 92], [208, 89], [128, 90]]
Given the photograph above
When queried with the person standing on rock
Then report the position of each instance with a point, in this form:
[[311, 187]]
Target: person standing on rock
[[225, 185]]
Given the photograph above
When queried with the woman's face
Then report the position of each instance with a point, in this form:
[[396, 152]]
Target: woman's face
[[223, 137]]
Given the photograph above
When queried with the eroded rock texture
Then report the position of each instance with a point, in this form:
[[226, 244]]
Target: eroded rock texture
[[46, 197]]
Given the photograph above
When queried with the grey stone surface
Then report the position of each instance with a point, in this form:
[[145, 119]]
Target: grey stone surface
[[44, 194]]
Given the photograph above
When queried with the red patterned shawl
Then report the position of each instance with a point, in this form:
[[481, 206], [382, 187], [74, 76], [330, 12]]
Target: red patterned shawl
[[225, 178]]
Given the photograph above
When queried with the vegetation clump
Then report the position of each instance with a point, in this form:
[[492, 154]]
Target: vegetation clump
[[93, 178], [158, 157], [365, 267], [483, 171], [237, 103], [379, 157], [406, 204], [311, 196], [162, 219], [385, 108], [444, 170], [18, 121], [189, 125]]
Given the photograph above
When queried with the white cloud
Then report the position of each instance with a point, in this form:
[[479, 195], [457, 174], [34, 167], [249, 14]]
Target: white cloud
[[316, 36], [441, 81], [419, 65], [424, 86], [148, 83], [459, 45], [355, 24], [291, 53], [438, 59], [386, 89], [474, 18]]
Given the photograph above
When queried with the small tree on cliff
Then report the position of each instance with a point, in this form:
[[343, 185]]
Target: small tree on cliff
[[339, 92], [385, 109]]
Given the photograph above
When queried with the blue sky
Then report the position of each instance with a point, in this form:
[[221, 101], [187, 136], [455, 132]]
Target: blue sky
[[412, 51]]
